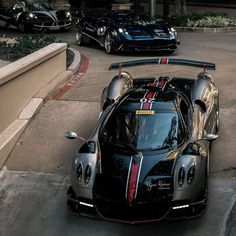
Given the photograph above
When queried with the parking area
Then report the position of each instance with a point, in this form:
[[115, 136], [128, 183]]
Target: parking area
[[37, 173]]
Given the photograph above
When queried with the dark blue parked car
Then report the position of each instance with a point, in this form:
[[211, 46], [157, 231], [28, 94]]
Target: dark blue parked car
[[125, 31]]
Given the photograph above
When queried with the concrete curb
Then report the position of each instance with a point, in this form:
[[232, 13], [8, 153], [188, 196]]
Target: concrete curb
[[206, 30], [48, 90], [9, 138], [11, 135], [74, 67]]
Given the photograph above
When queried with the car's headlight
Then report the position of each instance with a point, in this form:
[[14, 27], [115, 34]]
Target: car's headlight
[[31, 16], [121, 30], [87, 174], [68, 14], [191, 174], [172, 35], [181, 176], [79, 172]]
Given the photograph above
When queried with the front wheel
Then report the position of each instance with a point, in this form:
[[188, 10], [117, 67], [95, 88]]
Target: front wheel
[[79, 36], [217, 116], [108, 43], [21, 27]]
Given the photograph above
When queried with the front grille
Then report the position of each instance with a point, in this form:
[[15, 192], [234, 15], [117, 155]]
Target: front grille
[[150, 44], [44, 17], [47, 23], [136, 212]]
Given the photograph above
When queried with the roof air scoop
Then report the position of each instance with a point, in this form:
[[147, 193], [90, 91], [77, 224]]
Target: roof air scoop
[[201, 104], [119, 85]]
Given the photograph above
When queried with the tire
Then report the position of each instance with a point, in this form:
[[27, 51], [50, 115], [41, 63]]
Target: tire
[[108, 43], [79, 36], [206, 187], [21, 27], [217, 116], [217, 123]]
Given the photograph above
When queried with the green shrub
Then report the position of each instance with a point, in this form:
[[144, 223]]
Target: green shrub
[[183, 19], [211, 22], [24, 45]]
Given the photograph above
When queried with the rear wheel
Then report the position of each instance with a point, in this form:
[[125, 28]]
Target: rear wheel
[[108, 43]]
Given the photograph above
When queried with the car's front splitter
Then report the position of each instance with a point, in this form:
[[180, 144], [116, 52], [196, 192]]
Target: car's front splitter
[[53, 27], [144, 46], [178, 210]]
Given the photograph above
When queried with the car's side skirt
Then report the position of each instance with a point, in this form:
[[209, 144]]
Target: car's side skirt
[[94, 39]]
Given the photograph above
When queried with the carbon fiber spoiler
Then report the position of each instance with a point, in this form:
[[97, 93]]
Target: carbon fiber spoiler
[[172, 61]]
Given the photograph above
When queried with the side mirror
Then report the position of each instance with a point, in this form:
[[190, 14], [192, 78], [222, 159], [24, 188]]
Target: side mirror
[[73, 135], [70, 135], [210, 137]]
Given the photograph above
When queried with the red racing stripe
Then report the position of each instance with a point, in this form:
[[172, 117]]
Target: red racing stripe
[[69, 84], [161, 83], [163, 61], [147, 105], [132, 181]]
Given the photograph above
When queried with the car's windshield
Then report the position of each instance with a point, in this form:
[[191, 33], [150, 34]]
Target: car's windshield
[[160, 130], [38, 6], [131, 17]]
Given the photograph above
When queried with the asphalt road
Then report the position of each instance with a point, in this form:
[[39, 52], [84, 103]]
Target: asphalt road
[[36, 175]]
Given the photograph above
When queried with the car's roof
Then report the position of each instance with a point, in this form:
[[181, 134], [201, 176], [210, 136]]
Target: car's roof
[[160, 100]]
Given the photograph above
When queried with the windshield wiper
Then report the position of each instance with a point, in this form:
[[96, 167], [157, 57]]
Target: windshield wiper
[[169, 147]]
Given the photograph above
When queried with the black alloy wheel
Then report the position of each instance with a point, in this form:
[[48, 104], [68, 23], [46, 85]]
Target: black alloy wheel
[[79, 35], [21, 27], [108, 43]]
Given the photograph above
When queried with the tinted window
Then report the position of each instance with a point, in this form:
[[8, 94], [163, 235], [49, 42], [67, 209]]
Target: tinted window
[[131, 17], [38, 6], [186, 113], [157, 131]]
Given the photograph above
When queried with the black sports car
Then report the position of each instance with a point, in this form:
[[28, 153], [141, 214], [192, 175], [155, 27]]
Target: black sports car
[[125, 31], [33, 15], [148, 158]]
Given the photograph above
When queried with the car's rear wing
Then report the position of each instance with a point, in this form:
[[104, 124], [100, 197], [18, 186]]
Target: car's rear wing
[[172, 61]]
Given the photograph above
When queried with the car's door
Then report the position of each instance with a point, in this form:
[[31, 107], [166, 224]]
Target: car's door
[[94, 22], [89, 23], [211, 115]]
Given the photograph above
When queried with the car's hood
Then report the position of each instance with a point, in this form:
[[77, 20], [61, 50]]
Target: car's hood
[[137, 177], [53, 14]]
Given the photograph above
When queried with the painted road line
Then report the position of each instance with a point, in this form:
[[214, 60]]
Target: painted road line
[[70, 83]]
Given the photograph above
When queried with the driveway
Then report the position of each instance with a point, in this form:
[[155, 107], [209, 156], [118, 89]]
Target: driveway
[[36, 175]]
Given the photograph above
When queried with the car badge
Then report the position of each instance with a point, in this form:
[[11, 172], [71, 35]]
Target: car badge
[[145, 112]]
